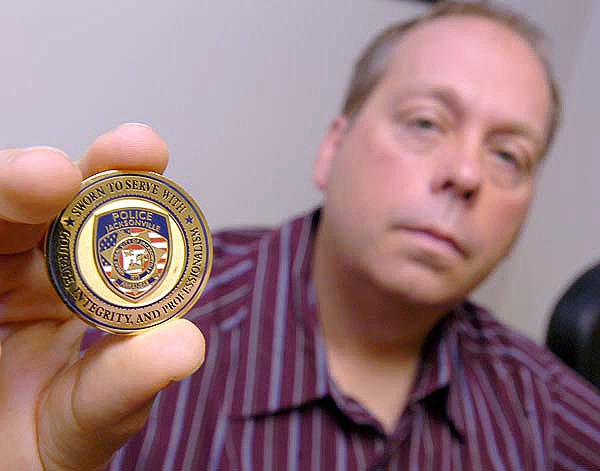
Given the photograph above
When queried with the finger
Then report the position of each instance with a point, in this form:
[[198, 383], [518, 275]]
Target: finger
[[105, 398], [32, 354], [26, 293], [35, 184], [17, 237], [131, 146]]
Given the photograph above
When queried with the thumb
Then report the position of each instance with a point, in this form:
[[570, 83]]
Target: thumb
[[105, 398]]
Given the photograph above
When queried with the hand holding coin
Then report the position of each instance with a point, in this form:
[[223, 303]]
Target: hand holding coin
[[54, 406]]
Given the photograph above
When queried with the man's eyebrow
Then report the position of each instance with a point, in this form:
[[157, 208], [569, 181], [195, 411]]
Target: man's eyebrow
[[446, 95]]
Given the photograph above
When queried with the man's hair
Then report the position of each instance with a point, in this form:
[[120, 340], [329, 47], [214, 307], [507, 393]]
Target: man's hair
[[372, 64]]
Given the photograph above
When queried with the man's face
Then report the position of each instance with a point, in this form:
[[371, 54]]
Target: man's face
[[427, 188]]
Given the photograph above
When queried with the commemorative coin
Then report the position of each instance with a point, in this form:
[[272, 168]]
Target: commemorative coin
[[130, 252]]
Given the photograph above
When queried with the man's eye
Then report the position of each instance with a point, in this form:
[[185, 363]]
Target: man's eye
[[424, 124], [508, 157], [504, 155]]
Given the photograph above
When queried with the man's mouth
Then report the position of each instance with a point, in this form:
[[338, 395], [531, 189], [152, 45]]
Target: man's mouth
[[439, 238]]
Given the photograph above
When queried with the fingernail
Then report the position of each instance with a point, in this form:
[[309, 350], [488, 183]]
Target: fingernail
[[142, 125], [12, 154], [20, 152], [44, 148]]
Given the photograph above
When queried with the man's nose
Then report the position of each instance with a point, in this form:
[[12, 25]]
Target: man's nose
[[459, 169]]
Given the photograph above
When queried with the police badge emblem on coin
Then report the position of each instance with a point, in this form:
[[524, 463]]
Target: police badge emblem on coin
[[130, 252]]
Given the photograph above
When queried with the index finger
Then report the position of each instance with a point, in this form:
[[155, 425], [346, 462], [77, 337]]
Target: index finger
[[35, 184], [131, 146]]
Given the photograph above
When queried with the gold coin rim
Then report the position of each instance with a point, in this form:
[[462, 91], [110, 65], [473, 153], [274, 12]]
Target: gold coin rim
[[56, 283]]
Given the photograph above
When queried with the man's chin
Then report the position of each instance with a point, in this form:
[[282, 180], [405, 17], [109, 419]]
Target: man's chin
[[421, 286]]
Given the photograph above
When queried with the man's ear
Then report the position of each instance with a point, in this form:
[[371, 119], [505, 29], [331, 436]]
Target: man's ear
[[330, 145]]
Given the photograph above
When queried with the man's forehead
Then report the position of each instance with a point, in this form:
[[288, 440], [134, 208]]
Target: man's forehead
[[437, 32], [478, 51], [472, 57]]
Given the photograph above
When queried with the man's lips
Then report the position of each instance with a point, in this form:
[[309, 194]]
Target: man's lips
[[438, 236]]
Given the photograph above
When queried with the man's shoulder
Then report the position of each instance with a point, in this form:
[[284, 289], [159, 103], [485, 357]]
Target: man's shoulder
[[499, 376], [481, 333], [235, 242], [485, 339], [229, 288]]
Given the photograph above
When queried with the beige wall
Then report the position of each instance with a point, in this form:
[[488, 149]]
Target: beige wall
[[243, 91]]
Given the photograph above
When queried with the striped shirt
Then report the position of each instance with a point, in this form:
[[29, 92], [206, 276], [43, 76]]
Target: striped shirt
[[485, 398]]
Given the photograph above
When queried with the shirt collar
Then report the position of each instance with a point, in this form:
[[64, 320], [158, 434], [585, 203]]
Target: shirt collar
[[439, 380]]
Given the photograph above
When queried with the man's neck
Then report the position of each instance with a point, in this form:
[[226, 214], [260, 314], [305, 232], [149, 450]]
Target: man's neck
[[373, 340]]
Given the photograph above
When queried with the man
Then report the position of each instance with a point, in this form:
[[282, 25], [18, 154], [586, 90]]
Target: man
[[341, 340]]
